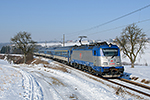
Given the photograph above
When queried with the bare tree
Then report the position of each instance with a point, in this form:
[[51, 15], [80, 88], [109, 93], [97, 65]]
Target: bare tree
[[132, 42], [24, 42]]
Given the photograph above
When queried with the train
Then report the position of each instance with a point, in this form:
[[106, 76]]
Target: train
[[101, 59]]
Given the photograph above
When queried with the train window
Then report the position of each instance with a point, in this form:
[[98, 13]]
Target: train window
[[64, 53], [49, 52], [110, 52], [41, 51], [95, 52], [56, 53], [91, 47]]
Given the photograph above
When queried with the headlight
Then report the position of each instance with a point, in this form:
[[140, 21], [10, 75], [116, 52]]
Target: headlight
[[105, 63], [118, 63]]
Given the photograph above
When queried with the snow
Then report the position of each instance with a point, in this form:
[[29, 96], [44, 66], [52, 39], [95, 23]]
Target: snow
[[142, 59], [40, 83], [36, 82], [10, 82], [60, 44], [139, 72], [17, 84]]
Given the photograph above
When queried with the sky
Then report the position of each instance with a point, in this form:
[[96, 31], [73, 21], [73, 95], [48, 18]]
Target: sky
[[48, 20]]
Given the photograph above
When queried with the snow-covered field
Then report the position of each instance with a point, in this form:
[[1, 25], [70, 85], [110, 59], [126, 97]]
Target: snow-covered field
[[138, 74], [37, 82]]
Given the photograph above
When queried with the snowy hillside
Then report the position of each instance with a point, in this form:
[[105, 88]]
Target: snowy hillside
[[37, 82]]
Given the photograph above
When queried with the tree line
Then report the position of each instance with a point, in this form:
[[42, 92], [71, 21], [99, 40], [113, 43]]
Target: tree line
[[10, 50]]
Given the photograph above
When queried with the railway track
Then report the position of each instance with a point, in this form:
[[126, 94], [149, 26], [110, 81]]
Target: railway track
[[135, 83], [134, 86]]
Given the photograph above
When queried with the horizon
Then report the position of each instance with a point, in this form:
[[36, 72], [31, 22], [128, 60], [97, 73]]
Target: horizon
[[53, 41]]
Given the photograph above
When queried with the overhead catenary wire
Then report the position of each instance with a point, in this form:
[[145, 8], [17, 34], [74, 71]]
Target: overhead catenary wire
[[88, 29], [92, 33], [97, 26], [117, 27]]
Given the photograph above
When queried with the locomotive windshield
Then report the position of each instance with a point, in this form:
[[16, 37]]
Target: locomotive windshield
[[110, 52]]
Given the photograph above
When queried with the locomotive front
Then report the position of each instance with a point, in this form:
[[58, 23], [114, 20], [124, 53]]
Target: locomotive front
[[108, 60]]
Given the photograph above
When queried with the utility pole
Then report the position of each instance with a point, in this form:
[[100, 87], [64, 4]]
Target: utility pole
[[45, 44], [63, 40]]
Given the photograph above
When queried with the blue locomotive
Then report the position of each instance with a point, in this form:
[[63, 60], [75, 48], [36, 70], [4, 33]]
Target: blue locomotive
[[100, 58]]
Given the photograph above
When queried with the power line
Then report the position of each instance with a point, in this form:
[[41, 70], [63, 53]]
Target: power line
[[112, 20], [115, 27]]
